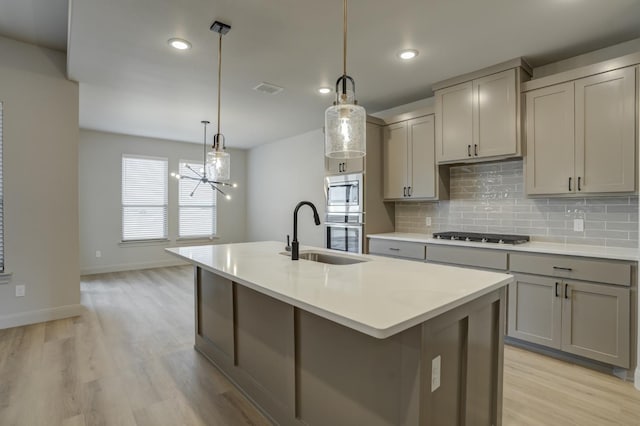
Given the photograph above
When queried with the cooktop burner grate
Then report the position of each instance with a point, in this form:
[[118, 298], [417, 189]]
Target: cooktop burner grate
[[480, 237]]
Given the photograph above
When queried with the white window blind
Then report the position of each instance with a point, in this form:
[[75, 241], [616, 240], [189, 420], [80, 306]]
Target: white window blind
[[1, 201], [144, 198], [196, 209]]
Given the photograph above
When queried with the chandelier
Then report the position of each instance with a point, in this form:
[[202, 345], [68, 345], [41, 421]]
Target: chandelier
[[201, 175]]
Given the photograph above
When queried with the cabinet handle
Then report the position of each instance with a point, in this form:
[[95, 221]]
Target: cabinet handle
[[579, 189], [404, 191], [557, 289], [394, 249], [566, 288], [569, 184], [563, 268], [340, 167], [409, 191], [475, 149], [469, 150]]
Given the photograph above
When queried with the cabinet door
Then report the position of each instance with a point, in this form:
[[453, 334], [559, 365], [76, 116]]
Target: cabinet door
[[422, 161], [454, 122], [395, 160], [340, 165], [535, 310], [550, 140], [605, 132], [595, 322], [494, 115]]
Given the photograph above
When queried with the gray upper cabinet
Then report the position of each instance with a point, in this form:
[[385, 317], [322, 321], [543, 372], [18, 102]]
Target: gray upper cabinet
[[478, 119], [581, 136], [410, 171], [336, 166]]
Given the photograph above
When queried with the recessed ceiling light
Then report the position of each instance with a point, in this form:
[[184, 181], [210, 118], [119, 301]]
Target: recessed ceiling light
[[178, 43], [407, 54], [324, 90]]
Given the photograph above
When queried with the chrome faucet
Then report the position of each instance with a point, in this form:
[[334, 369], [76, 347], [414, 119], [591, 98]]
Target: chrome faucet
[[295, 246]]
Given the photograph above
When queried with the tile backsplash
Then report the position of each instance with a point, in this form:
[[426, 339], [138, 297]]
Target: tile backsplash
[[490, 197]]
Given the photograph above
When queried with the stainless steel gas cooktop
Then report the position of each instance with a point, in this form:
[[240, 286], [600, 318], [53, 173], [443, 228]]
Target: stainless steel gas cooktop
[[480, 237]]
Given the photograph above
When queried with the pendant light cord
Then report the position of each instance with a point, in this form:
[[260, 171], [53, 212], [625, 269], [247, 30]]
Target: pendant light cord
[[204, 158], [344, 49], [219, 84]]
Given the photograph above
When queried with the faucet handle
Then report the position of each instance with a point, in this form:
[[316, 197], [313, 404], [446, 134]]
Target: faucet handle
[[288, 246]]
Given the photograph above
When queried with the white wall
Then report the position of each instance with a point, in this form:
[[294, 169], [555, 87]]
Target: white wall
[[100, 201], [281, 174], [40, 144]]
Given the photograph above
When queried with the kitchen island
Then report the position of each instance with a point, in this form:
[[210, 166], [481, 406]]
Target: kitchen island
[[378, 342]]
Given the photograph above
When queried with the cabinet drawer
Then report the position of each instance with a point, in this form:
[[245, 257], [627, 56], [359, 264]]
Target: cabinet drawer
[[397, 248], [604, 271], [466, 256]]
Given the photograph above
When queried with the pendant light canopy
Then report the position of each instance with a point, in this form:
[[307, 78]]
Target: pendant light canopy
[[345, 122], [218, 159]]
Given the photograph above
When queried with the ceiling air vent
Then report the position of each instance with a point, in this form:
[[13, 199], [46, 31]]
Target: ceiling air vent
[[269, 89]]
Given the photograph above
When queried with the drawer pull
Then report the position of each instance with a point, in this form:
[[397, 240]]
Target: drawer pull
[[566, 292], [394, 249], [557, 290], [562, 268]]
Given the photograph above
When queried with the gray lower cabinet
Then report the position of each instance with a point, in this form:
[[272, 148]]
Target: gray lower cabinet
[[395, 248], [587, 319], [467, 256], [535, 310]]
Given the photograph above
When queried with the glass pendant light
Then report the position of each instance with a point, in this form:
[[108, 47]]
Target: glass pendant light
[[218, 159], [345, 122]]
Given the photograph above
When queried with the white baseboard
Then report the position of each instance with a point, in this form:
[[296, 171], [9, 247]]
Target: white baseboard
[[131, 266], [636, 379], [43, 315]]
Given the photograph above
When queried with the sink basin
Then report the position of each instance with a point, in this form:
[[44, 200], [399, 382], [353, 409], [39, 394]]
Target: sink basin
[[331, 259]]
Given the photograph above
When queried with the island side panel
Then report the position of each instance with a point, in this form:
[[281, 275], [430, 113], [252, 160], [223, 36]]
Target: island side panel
[[469, 342], [214, 311], [265, 350], [344, 377]]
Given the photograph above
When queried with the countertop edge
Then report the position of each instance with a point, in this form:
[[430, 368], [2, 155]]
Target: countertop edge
[[544, 248]]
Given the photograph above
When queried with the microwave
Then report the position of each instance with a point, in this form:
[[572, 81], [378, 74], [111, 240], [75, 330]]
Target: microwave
[[344, 193]]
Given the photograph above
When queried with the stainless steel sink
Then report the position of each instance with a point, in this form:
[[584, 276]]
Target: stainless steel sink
[[331, 259]]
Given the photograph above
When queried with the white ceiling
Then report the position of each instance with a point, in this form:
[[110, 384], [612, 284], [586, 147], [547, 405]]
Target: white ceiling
[[131, 82]]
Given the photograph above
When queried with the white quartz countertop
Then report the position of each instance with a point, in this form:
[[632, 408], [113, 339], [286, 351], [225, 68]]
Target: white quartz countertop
[[380, 297], [617, 253]]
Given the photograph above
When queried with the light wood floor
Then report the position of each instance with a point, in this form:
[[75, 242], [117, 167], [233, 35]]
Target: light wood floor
[[129, 360]]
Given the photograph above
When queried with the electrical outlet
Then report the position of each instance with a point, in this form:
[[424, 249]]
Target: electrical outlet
[[435, 373], [578, 225], [98, 253], [427, 221], [20, 290]]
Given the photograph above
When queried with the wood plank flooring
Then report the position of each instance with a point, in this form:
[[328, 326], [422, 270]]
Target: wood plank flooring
[[129, 360]]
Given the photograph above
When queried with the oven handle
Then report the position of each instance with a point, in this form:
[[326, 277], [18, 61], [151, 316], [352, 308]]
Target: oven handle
[[344, 225]]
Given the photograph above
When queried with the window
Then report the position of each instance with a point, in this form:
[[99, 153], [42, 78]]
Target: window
[[144, 198], [196, 208], [1, 201]]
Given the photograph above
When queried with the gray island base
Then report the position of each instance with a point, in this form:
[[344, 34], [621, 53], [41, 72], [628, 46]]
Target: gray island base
[[301, 368]]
